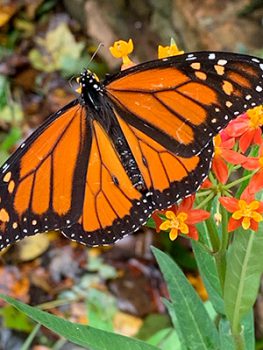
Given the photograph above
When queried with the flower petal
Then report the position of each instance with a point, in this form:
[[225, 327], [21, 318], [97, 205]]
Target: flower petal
[[246, 140], [193, 233], [253, 225], [220, 169], [173, 234], [230, 203], [233, 224], [197, 215], [238, 126], [157, 220], [246, 223], [184, 228], [166, 225], [251, 163], [257, 217], [233, 157], [186, 204], [170, 215], [237, 215], [256, 182]]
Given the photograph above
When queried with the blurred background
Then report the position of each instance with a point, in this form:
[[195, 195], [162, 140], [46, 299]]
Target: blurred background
[[44, 45]]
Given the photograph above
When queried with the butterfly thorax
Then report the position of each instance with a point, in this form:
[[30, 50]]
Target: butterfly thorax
[[99, 108], [91, 90]]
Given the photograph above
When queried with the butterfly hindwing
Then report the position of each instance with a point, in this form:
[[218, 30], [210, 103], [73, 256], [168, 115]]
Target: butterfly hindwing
[[112, 206]]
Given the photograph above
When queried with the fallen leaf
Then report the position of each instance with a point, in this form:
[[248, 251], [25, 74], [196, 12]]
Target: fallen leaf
[[6, 12], [126, 324], [31, 247], [58, 50]]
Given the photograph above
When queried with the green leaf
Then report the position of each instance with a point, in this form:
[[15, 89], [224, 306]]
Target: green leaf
[[207, 267], [101, 309], [166, 339], [226, 338], [244, 267], [171, 309], [197, 329], [152, 325], [248, 325], [85, 336], [14, 319]]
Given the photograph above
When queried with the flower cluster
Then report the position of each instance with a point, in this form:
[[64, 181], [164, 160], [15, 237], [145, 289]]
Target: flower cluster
[[239, 147]]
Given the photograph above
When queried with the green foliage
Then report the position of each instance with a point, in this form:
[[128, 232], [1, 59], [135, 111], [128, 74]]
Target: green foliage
[[101, 308], [195, 325], [244, 268], [15, 319], [198, 330], [85, 336]]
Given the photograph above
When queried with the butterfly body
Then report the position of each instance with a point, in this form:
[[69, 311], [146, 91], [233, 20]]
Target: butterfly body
[[139, 141]]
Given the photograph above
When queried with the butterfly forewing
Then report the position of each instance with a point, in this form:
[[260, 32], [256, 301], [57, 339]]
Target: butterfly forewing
[[183, 101], [42, 183]]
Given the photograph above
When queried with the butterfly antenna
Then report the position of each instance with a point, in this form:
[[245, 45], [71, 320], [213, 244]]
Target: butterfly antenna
[[70, 81], [95, 52]]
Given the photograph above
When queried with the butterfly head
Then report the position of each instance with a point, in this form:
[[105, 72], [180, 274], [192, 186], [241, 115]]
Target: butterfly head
[[90, 86]]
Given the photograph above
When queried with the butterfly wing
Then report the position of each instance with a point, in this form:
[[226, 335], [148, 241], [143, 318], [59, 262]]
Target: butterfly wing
[[183, 101], [41, 185], [112, 206]]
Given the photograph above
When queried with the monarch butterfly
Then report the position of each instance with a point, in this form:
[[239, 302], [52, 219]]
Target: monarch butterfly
[[138, 142]]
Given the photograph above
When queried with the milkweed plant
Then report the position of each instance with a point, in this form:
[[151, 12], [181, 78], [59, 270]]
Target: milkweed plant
[[224, 222]]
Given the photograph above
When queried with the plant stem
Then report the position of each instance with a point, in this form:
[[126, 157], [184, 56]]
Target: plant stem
[[239, 341], [220, 256], [238, 181], [31, 337], [206, 200], [213, 235]]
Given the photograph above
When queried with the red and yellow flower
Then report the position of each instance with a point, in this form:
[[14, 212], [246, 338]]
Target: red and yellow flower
[[224, 153], [246, 212], [255, 163], [247, 128], [180, 219]]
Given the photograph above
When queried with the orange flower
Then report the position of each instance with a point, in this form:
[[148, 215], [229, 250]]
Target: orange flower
[[224, 153], [247, 128], [246, 212], [253, 163], [180, 219], [121, 49], [168, 51]]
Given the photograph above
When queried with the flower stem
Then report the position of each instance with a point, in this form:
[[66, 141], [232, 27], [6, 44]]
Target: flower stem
[[221, 254], [206, 200], [239, 341], [238, 181], [203, 193]]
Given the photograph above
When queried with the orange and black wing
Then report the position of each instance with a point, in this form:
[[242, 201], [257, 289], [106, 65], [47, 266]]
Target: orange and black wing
[[183, 101], [112, 206], [41, 185]]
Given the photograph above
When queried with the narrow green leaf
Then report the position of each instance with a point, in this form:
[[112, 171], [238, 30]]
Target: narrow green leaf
[[198, 330], [244, 267], [207, 267], [86, 336], [166, 339], [171, 309], [226, 339], [247, 326]]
